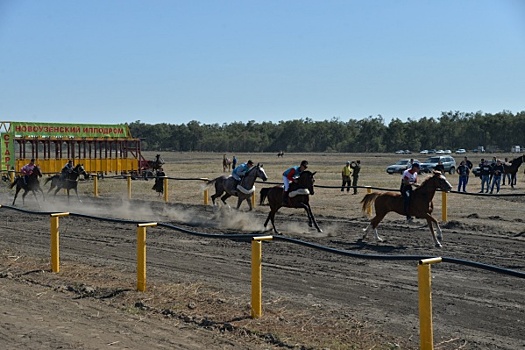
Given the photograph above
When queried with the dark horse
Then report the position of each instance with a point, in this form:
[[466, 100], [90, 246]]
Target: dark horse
[[512, 169], [33, 185], [70, 181], [421, 205], [280, 154], [243, 191], [299, 197]]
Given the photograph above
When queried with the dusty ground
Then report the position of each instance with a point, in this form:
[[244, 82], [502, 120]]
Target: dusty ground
[[199, 287]]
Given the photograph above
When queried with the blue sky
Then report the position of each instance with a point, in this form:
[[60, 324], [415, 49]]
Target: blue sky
[[157, 61]]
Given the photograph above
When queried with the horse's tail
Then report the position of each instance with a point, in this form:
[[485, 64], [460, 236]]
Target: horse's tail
[[14, 183], [211, 182], [369, 199], [49, 179], [264, 194]]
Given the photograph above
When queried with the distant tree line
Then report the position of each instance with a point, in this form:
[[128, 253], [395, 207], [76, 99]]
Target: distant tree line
[[451, 130]]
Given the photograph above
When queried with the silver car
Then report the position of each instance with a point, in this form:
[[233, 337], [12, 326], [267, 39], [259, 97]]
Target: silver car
[[449, 164], [400, 166]]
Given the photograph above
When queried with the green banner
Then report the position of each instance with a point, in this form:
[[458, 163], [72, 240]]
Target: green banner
[[7, 149], [21, 129]]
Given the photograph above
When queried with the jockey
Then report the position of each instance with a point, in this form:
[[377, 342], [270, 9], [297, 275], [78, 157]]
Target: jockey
[[239, 172], [66, 170], [27, 170], [408, 179], [292, 174]]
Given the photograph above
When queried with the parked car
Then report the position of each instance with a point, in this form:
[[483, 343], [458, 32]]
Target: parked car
[[461, 151], [449, 164], [400, 166], [447, 151], [424, 151], [401, 151], [476, 171]]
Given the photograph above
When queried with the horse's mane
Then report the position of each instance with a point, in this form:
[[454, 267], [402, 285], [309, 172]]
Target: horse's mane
[[425, 183]]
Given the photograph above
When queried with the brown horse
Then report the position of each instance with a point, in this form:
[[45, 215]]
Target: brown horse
[[299, 197], [226, 163], [420, 204]]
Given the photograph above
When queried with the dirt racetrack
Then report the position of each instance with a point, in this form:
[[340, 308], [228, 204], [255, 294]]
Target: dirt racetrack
[[199, 287]]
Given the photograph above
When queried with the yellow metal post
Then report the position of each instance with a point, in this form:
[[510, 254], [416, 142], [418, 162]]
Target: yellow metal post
[[129, 186], [369, 209], [11, 175], [257, 275], [444, 206], [165, 184], [253, 199], [426, 341], [141, 255], [95, 185], [55, 242], [206, 200]]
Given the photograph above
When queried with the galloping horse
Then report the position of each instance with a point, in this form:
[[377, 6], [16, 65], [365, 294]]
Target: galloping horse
[[155, 164], [69, 182], [243, 191], [226, 163], [299, 197], [33, 185], [512, 169], [280, 154], [421, 205]]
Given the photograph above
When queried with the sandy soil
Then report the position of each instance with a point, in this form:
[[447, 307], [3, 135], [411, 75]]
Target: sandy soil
[[199, 288]]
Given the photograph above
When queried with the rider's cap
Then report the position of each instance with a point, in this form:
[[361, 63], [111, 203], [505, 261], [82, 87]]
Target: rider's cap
[[250, 162], [32, 160], [347, 162], [304, 163], [415, 164]]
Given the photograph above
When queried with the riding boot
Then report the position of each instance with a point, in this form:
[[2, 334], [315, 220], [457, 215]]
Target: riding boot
[[285, 198]]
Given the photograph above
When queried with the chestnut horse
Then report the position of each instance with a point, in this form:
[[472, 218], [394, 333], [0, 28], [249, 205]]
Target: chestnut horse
[[420, 204], [299, 197]]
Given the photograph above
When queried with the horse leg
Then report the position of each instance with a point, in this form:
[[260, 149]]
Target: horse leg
[[76, 192], [431, 220], [311, 218], [16, 194], [374, 223], [225, 197], [271, 217]]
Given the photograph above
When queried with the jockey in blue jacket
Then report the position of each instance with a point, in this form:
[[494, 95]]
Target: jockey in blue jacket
[[239, 172]]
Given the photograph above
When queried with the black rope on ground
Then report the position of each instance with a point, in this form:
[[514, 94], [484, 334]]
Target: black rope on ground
[[249, 237]]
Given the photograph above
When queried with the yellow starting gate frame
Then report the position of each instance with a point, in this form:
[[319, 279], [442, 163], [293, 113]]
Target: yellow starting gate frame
[[100, 148]]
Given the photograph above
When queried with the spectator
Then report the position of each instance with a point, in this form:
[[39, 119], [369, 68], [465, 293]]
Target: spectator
[[234, 162], [497, 172], [484, 173], [469, 165], [463, 172], [440, 167], [345, 174], [505, 174], [356, 168]]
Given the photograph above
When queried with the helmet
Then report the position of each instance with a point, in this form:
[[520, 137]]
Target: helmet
[[415, 165], [347, 162], [250, 162], [304, 163], [32, 160]]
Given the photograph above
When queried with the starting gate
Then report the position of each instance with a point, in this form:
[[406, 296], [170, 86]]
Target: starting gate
[[100, 148]]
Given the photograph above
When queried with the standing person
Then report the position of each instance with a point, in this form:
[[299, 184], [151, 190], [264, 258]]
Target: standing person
[[356, 168], [440, 167], [234, 162], [505, 174], [469, 165], [463, 172], [66, 170], [291, 174], [27, 170], [485, 170], [408, 179], [497, 172], [345, 174], [239, 172]]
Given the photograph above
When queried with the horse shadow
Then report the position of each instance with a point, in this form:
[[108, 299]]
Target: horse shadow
[[361, 244]]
